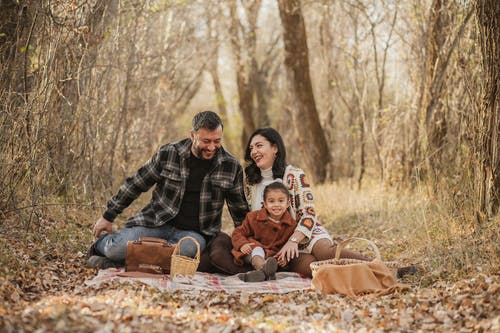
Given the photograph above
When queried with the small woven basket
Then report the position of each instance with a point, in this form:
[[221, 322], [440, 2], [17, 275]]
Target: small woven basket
[[182, 265], [316, 265]]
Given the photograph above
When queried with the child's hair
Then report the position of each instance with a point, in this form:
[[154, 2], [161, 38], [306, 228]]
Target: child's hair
[[276, 185]]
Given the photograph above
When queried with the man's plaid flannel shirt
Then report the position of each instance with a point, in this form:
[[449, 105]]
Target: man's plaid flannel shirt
[[168, 170]]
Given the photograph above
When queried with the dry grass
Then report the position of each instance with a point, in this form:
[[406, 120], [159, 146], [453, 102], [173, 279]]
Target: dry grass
[[412, 228], [42, 277], [406, 226]]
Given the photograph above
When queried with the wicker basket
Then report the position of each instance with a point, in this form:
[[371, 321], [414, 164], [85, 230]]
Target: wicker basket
[[316, 265], [182, 265]]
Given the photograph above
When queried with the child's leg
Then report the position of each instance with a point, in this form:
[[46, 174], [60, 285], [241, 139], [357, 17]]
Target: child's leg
[[269, 266], [257, 258], [265, 269], [247, 259]]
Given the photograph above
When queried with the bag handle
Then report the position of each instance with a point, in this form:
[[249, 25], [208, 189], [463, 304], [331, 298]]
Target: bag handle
[[152, 240], [341, 245], [178, 246]]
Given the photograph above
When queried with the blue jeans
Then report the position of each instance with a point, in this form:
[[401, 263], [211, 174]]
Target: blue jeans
[[114, 245]]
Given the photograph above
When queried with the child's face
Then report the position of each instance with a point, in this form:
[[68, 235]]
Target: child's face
[[276, 203]]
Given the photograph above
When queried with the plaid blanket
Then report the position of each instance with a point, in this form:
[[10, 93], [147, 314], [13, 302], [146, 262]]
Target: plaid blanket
[[285, 282]]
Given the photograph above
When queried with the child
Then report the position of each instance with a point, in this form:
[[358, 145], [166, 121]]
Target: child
[[263, 233]]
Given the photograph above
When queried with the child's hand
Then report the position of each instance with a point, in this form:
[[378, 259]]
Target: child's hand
[[282, 262], [247, 248]]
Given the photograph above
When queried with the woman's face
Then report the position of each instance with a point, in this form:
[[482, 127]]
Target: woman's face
[[262, 152]]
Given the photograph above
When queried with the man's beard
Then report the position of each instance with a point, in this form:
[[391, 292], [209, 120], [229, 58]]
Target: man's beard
[[199, 152]]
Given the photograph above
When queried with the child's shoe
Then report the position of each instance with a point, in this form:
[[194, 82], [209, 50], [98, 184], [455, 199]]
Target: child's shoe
[[270, 268], [252, 276]]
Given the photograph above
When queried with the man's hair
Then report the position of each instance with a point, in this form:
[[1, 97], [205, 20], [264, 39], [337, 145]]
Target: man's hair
[[208, 120], [276, 185]]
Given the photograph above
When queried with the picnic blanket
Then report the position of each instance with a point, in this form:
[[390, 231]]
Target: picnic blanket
[[285, 282]]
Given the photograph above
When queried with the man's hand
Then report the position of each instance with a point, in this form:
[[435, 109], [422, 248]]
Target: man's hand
[[102, 225], [247, 248]]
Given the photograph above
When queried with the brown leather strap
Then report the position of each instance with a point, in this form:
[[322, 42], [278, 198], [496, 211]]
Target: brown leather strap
[[141, 275], [152, 240]]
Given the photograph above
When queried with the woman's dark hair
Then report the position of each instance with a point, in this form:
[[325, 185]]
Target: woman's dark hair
[[276, 186], [252, 171]]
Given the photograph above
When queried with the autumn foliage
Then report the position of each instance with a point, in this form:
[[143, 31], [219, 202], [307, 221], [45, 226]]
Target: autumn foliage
[[392, 107]]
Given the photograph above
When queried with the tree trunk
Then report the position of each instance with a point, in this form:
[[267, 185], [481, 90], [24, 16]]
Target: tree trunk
[[213, 67], [262, 93], [377, 126], [432, 118], [15, 21], [428, 101], [487, 168], [244, 76], [122, 123], [306, 120]]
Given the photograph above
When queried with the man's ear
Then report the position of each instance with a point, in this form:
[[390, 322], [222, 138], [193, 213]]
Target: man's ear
[[192, 134]]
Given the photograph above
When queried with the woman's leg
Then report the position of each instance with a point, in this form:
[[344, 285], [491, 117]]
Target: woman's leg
[[324, 250], [301, 264]]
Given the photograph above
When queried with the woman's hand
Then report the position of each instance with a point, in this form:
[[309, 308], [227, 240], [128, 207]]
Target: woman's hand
[[289, 251], [246, 248]]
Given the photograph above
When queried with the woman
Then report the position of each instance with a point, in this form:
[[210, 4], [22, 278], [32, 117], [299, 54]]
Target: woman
[[266, 158]]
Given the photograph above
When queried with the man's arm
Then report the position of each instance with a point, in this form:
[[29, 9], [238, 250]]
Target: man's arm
[[141, 182]]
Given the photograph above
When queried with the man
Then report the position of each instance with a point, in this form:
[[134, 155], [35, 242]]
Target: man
[[193, 178]]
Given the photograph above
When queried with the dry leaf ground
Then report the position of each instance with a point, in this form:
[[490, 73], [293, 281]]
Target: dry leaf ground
[[457, 289]]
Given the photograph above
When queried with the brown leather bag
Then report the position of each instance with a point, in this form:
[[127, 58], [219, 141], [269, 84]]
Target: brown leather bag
[[149, 255]]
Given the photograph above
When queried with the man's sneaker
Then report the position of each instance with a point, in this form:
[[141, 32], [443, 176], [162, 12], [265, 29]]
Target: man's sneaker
[[407, 270], [101, 263], [93, 251]]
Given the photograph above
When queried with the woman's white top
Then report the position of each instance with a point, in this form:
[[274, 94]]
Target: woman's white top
[[258, 197]]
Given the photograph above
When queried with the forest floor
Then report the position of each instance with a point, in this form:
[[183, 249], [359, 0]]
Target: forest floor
[[457, 289]]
